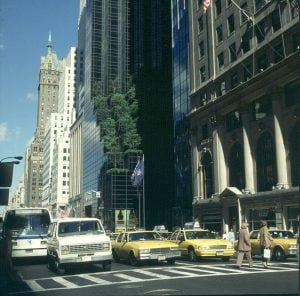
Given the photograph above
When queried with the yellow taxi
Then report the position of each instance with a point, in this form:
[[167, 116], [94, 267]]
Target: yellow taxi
[[142, 246], [199, 243], [284, 244], [113, 236]]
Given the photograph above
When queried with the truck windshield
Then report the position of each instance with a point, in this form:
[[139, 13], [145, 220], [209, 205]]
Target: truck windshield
[[79, 228]]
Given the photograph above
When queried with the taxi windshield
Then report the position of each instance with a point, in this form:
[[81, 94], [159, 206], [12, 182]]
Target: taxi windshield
[[199, 235], [144, 236]]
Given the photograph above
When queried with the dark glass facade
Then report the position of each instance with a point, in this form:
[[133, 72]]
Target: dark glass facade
[[182, 206]]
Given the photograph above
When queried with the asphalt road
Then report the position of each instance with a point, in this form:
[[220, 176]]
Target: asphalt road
[[206, 277]]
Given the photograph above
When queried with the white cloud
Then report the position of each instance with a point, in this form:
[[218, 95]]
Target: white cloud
[[31, 97], [3, 132]]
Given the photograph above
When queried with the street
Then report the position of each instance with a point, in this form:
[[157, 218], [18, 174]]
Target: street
[[205, 277]]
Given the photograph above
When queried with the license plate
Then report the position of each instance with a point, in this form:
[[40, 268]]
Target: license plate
[[86, 258], [220, 253], [160, 258]]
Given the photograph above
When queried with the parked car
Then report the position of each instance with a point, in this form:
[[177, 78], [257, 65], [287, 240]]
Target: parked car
[[73, 241], [142, 246], [284, 244], [199, 243]]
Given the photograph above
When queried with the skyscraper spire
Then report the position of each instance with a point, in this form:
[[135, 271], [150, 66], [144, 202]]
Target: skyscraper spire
[[49, 43]]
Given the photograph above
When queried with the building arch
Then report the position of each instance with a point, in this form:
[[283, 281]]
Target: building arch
[[294, 148], [266, 162], [236, 166]]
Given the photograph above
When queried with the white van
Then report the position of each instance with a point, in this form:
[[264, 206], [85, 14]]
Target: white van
[[77, 241]]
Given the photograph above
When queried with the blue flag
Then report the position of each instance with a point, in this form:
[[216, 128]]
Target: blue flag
[[138, 173]]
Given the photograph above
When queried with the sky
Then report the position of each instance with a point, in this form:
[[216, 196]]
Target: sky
[[24, 31]]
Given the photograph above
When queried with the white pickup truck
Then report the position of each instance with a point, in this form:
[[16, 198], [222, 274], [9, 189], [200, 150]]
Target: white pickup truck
[[77, 241]]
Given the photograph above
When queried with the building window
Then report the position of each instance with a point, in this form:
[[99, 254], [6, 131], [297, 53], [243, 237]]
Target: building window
[[232, 52], [262, 108], [296, 41], [247, 72], [219, 34], [201, 49], [230, 22], [275, 17], [246, 42], [262, 63], [259, 4], [266, 163], [205, 131], [233, 120], [278, 53], [234, 80], [221, 60], [200, 24], [260, 31], [229, 2], [222, 88], [202, 74], [294, 144], [236, 167], [292, 94], [244, 17], [218, 7]]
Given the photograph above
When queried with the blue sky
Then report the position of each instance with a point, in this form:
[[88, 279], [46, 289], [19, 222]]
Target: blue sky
[[24, 30]]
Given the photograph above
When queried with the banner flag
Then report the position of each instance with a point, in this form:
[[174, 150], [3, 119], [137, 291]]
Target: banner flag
[[138, 173]]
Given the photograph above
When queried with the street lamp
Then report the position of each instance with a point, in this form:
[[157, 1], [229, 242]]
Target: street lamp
[[13, 157]]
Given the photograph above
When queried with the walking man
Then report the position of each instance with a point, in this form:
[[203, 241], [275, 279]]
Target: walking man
[[244, 246], [265, 239]]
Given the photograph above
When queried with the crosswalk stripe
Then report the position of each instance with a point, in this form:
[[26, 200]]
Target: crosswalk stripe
[[94, 279], [198, 269], [226, 269], [64, 282], [176, 271], [152, 274], [34, 286], [128, 277]]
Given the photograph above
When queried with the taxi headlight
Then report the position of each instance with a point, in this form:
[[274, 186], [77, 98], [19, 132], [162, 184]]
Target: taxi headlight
[[144, 251], [292, 246], [64, 250], [204, 247]]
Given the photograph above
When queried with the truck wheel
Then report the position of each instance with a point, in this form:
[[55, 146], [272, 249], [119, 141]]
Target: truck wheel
[[50, 263], [106, 266], [58, 268]]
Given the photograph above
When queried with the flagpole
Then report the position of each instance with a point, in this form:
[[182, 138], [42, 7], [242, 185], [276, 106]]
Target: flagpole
[[144, 219]]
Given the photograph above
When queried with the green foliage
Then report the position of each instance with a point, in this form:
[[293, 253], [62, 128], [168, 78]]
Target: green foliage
[[116, 116]]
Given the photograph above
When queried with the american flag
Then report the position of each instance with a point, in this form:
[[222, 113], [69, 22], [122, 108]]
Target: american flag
[[206, 4], [138, 173]]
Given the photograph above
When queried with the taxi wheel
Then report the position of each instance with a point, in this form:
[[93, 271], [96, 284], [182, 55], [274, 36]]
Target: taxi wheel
[[116, 257], [191, 254], [132, 260], [226, 259], [171, 261], [278, 254]]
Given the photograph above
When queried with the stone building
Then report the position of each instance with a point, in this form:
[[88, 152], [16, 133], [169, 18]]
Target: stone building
[[245, 118]]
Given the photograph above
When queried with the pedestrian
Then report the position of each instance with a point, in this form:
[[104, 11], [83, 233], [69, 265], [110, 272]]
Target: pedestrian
[[244, 246], [265, 239], [231, 236]]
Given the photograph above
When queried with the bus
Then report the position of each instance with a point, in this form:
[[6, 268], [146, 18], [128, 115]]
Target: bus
[[29, 229]]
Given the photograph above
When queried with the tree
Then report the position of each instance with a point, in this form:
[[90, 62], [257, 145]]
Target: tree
[[117, 116]]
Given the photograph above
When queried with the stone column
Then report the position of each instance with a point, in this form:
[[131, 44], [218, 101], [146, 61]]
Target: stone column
[[248, 159], [220, 172], [277, 101]]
